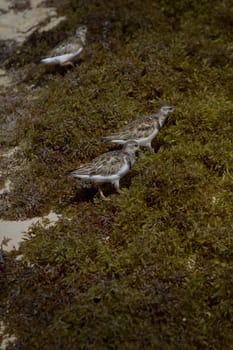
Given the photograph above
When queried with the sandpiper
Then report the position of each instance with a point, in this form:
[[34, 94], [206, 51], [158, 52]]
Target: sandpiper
[[66, 52], [109, 167], [143, 129]]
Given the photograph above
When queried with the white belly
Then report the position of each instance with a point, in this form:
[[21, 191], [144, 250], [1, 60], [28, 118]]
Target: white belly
[[62, 58], [108, 178], [143, 141]]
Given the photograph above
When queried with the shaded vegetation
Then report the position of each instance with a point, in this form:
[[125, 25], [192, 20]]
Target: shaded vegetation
[[152, 268]]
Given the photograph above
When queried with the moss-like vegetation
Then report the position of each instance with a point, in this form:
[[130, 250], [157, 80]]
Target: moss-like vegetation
[[152, 268]]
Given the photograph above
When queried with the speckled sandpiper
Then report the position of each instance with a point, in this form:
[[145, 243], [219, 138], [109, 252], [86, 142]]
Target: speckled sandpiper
[[143, 129], [66, 52], [109, 167]]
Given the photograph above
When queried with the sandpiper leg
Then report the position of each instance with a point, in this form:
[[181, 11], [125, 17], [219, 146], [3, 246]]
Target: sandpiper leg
[[116, 185], [102, 195], [68, 63], [149, 147]]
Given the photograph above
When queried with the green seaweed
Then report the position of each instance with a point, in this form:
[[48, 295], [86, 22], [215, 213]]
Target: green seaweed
[[151, 268]]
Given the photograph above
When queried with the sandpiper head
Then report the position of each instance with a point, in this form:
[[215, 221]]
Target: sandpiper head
[[82, 30], [131, 146], [81, 34], [166, 108]]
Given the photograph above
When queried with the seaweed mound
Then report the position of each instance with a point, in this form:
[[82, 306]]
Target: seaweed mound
[[152, 268]]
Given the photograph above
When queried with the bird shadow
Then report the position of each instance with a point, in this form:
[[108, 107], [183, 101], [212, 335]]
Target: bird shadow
[[88, 194], [83, 194], [62, 69]]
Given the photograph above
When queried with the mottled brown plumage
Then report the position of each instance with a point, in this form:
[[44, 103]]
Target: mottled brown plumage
[[109, 167], [66, 52], [143, 129]]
